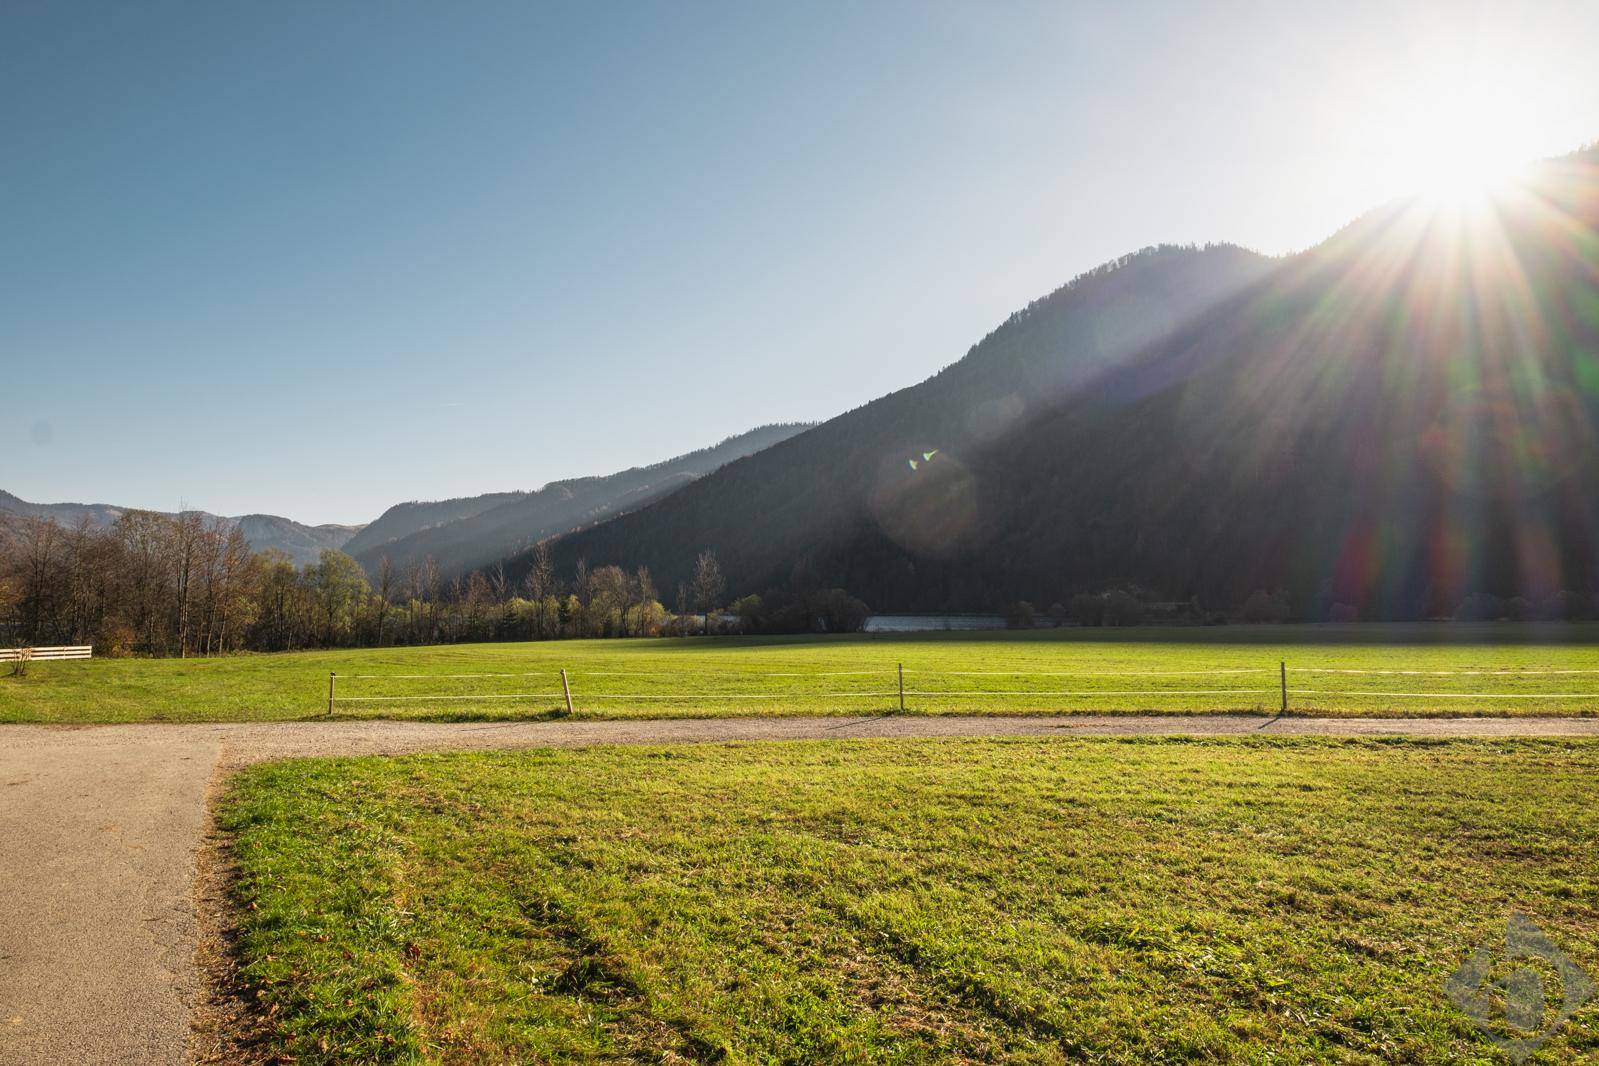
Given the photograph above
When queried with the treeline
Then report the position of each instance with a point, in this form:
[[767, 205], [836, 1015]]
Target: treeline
[[188, 584]]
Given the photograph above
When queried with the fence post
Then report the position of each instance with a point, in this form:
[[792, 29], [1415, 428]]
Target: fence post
[[332, 677], [566, 690], [902, 686], [1284, 665]]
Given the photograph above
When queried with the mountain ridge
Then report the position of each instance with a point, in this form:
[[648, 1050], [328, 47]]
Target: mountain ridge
[[465, 531], [300, 542], [1292, 427], [492, 533]]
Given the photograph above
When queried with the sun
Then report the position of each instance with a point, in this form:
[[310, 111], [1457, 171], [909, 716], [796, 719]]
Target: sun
[[1456, 138], [1467, 178]]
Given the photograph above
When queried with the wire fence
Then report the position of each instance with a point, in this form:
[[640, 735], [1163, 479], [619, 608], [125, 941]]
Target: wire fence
[[1278, 695]]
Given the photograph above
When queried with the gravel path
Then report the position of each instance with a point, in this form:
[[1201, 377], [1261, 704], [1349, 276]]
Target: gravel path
[[100, 826]]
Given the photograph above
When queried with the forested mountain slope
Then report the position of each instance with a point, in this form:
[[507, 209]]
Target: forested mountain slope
[[487, 535], [844, 482], [1395, 419], [301, 543], [66, 514], [404, 519]]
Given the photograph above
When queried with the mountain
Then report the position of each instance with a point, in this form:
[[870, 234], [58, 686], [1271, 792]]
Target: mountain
[[461, 535], [404, 519], [301, 543], [843, 479], [1393, 420], [67, 514]]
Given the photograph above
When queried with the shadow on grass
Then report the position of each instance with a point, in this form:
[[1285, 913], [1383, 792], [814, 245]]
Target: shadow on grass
[[1378, 634]]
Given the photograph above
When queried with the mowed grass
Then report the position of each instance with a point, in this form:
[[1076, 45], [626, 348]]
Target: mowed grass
[[1421, 670], [1255, 900]]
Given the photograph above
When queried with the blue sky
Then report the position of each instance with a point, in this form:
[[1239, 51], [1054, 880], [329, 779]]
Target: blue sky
[[313, 259]]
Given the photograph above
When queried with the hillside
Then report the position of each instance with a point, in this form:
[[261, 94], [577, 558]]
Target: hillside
[[301, 543], [512, 521], [67, 514], [1206, 423], [837, 486], [462, 533], [404, 519]]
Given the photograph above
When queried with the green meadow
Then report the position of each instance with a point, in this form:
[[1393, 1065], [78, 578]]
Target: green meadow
[[1044, 901], [1355, 670]]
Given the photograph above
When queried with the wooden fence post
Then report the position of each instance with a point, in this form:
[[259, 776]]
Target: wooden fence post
[[1284, 665], [902, 686], [332, 677], [566, 690]]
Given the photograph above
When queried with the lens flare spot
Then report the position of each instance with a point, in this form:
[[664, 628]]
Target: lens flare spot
[[933, 511]]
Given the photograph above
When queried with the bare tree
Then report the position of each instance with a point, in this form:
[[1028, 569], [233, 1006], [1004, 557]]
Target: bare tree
[[609, 599], [145, 537], [432, 593], [708, 584], [582, 586], [189, 584], [207, 580], [185, 533], [385, 593], [540, 580], [40, 554], [237, 607]]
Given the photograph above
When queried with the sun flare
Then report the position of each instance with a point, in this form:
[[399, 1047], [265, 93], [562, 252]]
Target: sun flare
[[1457, 138], [1468, 179]]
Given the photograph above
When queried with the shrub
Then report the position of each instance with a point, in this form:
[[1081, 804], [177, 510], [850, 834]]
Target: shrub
[[750, 611], [1343, 613], [1087, 610], [1122, 609], [1266, 607], [1480, 607], [839, 612], [1558, 607], [1020, 615]]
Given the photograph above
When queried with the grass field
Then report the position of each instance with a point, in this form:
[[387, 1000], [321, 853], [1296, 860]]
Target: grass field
[[1281, 900], [1490, 669]]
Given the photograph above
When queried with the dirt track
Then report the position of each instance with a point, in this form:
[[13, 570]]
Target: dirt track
[[100, 826]]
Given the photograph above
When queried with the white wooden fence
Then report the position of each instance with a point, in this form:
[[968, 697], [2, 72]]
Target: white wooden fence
[[45, 655]]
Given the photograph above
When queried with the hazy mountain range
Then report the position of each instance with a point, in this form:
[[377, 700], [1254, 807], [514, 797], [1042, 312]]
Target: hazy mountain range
[[465, 533], [1392, 420], [298, 541]]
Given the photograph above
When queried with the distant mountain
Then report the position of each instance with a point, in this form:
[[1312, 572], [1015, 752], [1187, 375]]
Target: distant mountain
[[463, 533], [301, 543], [1393, 420], [466, 534], [67, 514]]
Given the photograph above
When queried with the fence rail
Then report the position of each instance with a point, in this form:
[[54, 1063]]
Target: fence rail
[[45, 655], [1279, 693]]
